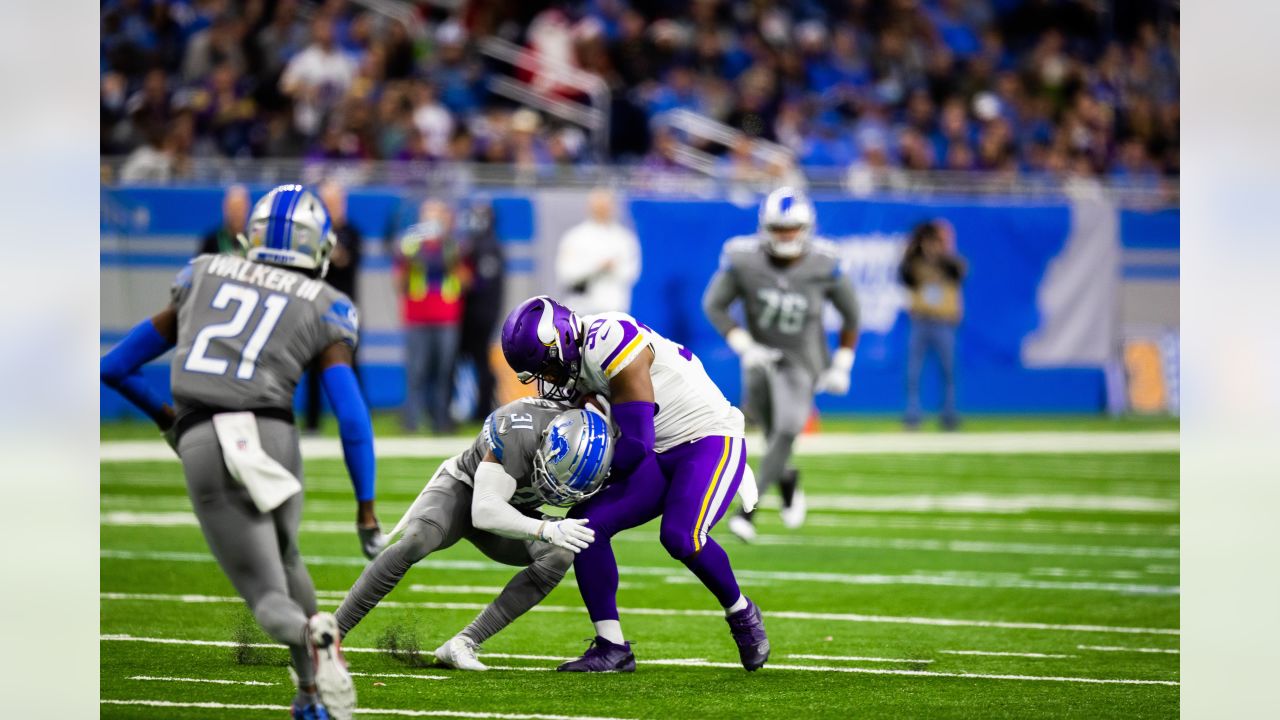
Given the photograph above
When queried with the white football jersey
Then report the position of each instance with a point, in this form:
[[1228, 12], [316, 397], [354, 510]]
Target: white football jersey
[[690, 406]]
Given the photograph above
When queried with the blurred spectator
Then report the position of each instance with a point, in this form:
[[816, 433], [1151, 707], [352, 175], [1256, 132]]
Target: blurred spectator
[[344, 269], [235, 214], [933, 273], [317, 78], [430, 280], [598, 261], [810, 75], [482, 303]]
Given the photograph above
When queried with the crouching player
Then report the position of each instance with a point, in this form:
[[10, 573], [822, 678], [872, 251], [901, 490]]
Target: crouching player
[[244, 329], [681, 455], [530, 452]]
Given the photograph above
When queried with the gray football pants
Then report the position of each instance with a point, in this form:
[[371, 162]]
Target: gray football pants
[[778, 397], [439, 518], [257, 551]]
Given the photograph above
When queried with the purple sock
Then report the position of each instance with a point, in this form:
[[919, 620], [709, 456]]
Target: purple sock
[[597, 572], [711, 565]]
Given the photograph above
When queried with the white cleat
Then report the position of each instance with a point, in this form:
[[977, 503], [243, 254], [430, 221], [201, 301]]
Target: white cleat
[[742, 528], [793, 516], [460, 652], [333, 682]]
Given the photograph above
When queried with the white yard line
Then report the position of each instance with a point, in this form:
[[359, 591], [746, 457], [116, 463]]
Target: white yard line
[[177, 519], [818, 444], [363, 711], [693, 662], [992, 653], [928, 673], [400, 675], [977, 502], [1117, 648], [213, 681], [668, 612], [855, 658], [993, 525], [965, 580]]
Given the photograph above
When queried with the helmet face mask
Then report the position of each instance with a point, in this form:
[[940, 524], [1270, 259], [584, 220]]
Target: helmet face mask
[[786, 222], [540, 342], [290, 227], [573, 460]]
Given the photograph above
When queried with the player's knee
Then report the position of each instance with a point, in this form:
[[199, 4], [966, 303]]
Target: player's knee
[[551, 567], [420, 539], [677, 541], [277, 615]]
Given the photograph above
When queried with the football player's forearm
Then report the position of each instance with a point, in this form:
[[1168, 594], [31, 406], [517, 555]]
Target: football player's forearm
[[845, 299], [492, 512], [354, 428], [120, 370], [637, 437], [716, 300]]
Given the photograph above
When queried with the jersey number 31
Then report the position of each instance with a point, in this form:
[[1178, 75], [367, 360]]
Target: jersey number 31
[[246, 300]]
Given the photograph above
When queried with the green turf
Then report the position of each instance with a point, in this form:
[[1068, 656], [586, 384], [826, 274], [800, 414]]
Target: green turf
[[1110, 568], [387, 424]]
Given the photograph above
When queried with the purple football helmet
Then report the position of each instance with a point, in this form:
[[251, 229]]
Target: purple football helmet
[[540, 342]]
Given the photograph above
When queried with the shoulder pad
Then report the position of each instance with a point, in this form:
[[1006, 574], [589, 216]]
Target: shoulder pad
[[612, 341]]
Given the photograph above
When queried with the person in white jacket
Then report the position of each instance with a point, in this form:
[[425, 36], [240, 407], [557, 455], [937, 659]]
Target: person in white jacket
[[599, 259]]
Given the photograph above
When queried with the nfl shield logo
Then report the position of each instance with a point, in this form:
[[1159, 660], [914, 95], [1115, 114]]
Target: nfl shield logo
[[242, 444]]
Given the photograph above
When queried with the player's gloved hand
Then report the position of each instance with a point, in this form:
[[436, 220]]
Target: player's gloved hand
[[570, 533], [372, 541], [835, 379], [752, 353]]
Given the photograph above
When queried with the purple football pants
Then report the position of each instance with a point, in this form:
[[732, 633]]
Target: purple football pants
[[691, 487]]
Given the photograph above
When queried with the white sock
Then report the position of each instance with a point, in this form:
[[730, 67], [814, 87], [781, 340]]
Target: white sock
[[610, 630], [739, 604]]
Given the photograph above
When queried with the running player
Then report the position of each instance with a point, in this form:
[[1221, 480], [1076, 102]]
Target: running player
[[681, 455], [529, 452], [784, 279], [244, 329]]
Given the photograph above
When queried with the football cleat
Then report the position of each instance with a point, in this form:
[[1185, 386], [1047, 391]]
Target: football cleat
[[747, 628], [333, 682], [742, 528], [459, 652], [793, 515], [602, 656], [309, 712]]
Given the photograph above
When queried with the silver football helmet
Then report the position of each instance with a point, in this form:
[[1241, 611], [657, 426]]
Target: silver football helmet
[[290, 227], [786, 210], [573, 461]]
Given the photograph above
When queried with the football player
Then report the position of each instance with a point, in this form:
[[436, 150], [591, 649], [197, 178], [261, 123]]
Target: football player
[[680, 455], [244, 329], [530, 452], [784, 278]]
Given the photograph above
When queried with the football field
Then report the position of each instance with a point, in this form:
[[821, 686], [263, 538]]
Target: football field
[[983, 579]]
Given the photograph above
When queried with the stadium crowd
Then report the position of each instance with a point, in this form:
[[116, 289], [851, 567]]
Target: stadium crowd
[[1018, 86]]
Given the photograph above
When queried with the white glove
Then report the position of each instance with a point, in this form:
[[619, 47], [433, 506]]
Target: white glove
[[752, 353], [835, 379], [570, 533]]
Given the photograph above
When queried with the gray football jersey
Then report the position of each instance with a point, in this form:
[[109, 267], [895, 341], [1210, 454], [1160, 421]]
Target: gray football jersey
[[247, 330], [513, 432], [782, 304]]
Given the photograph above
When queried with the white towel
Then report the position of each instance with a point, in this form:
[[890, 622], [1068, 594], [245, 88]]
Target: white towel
[[269, 483], [748, 492]]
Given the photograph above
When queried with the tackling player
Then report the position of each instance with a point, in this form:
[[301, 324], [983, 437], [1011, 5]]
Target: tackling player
[[681, 455], [784, 279], [530, 451], [244, 329]]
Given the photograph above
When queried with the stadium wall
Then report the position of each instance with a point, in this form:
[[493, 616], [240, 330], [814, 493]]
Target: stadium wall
[[1049, 285]]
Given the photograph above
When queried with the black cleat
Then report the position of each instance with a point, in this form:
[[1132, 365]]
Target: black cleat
[[747, 628], [602, 656]]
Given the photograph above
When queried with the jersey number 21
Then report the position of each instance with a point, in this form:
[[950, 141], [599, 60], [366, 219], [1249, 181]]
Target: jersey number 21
[[246, 300]]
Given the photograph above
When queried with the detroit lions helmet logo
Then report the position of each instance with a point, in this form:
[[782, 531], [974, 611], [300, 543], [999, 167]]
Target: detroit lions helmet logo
[[559, 444]]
